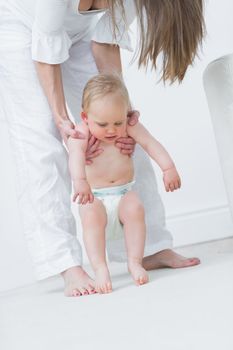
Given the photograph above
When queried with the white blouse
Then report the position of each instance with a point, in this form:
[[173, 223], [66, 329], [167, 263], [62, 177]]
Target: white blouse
[[57, 24]]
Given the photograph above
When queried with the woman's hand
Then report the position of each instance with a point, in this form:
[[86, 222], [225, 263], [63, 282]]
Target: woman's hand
[[127, 144], [133, 117], [93, 149], [67, 129]]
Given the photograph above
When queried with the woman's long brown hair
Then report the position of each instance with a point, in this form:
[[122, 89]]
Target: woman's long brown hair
[[174, 28]]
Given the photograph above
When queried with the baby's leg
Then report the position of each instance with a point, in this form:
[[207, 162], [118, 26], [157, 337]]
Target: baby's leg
[[131, 214], [94, 220]]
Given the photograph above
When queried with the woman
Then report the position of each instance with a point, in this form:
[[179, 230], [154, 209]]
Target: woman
[[49, 49]]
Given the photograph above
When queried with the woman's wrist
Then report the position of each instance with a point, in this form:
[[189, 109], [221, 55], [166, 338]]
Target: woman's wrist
[[60, 119], [51, 80]]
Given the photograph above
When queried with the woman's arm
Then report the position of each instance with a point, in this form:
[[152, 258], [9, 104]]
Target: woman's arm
[[107, 57], [51, 81], [48, 34]]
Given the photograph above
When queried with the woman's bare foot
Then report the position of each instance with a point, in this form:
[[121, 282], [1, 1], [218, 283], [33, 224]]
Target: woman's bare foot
[[138, 273], [168, 258], [103, 282], [77, 282]]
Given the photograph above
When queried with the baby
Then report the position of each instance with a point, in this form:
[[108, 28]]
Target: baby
[[104, 188]]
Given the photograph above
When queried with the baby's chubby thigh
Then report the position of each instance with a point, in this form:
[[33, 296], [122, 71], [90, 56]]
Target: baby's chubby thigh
[[130, 208], [93, 215]]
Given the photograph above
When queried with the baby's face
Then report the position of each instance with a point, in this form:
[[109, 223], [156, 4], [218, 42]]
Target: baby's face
[[107, 117]]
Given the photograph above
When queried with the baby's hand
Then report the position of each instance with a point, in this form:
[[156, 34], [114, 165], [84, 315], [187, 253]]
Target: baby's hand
[[171, 179], [82, 190]]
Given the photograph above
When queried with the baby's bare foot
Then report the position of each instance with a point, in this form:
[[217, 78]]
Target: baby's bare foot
[[103, 282], [138, 273], [77, 282]]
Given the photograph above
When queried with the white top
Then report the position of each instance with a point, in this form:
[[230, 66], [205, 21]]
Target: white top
[[57, 24]]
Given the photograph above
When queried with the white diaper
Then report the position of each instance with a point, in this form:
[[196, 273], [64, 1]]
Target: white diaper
[[110, 197]]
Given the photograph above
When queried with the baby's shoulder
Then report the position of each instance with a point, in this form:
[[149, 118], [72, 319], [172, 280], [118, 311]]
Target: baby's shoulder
[[134, 130]]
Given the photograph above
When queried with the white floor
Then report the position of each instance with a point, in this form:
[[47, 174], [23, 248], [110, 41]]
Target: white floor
[[185, 309]]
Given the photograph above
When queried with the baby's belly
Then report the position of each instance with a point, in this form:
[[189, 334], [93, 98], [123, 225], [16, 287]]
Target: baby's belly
[[109, 174]]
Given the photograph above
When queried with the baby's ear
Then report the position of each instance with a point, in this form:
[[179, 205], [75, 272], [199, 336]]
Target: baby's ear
[[84, 116]]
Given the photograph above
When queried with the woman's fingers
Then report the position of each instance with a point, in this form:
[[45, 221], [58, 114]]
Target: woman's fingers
[[125, 143], [133, 117], [93, 149], [126, 140], [74, 133], [92, 140], [126, 151], [68, 129], [94, 154]]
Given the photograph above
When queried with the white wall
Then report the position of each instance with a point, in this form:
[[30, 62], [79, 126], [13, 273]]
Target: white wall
[[179, 118]]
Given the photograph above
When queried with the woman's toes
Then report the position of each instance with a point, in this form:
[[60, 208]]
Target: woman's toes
[[83, 291], [91, 290], [76, 293]]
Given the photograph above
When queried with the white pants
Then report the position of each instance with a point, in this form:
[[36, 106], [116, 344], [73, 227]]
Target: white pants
[[41, 161]]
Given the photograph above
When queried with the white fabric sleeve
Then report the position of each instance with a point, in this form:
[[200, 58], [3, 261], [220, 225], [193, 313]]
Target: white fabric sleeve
[[50, 42], [104, 32]]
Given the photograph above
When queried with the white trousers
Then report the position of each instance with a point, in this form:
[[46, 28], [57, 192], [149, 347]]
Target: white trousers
[[44, 185]]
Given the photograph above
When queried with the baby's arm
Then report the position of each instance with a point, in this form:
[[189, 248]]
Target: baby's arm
[[157, 152], [77, 160]]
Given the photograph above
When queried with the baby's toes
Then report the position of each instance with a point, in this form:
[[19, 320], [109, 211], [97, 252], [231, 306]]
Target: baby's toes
[[143, 279], [98, 289], [109, 287], [104, 288]]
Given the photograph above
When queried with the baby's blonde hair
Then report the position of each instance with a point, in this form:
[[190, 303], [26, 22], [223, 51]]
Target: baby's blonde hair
[[101, 85]]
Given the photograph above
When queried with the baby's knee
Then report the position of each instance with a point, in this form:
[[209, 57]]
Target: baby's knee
[[95, 218], [135, 210]]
